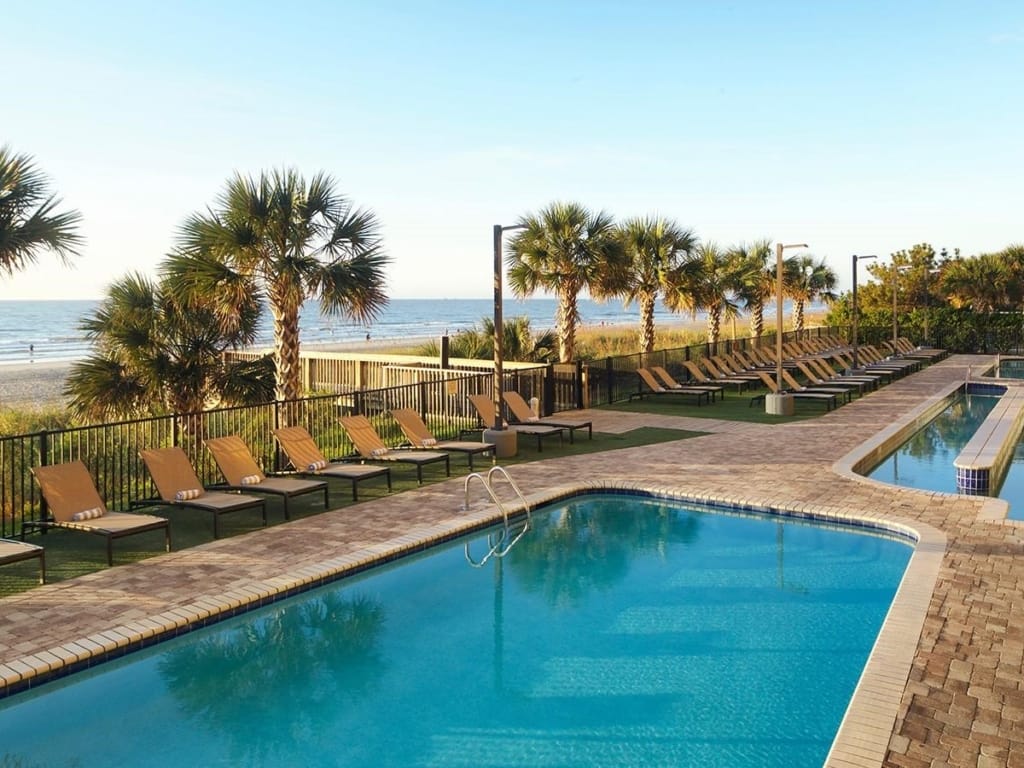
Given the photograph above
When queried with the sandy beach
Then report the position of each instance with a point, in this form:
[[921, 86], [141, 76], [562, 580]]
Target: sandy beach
[[33, 385]]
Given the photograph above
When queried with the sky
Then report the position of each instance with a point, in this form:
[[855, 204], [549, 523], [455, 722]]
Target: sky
[[855, 127]]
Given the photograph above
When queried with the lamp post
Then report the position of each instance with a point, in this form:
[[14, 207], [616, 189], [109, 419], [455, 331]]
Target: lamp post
[[856, 258], [895, 285], [502, 444], [780, 403]]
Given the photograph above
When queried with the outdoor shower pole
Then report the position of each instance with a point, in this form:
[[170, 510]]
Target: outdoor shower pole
[[499, 330]]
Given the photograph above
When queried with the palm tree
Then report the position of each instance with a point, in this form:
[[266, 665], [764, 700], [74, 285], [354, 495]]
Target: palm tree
[[565, 249], [805, 280], [155, 354], [29, 222], [981, 283], [757, 280], [653, 247], [708, 282], [282, 239]]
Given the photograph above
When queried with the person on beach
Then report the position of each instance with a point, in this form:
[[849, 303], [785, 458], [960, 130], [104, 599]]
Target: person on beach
[[31, 353]]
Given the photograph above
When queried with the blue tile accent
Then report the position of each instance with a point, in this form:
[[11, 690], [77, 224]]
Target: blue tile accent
[[973, 482]]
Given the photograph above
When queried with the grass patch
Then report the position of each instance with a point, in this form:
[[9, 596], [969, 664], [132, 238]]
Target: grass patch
[[733, 407], [72, 553]]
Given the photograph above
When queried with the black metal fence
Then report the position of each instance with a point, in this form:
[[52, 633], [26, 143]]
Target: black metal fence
[[111, 451]]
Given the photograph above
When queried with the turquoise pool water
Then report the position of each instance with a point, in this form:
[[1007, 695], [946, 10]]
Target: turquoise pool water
[[1009, 369], [925, 460], [621, 631]]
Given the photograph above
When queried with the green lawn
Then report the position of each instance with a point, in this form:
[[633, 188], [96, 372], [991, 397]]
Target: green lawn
[[733, 407], [70, 553]]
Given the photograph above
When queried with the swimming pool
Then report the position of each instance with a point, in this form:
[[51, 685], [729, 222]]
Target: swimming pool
[[925, 460], [1012, 368], [620, 631]]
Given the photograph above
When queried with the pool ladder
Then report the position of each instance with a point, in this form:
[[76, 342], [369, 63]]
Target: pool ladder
[[499, 542]]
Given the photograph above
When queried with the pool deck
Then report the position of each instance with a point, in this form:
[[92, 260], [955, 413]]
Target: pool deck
[[944, 686]]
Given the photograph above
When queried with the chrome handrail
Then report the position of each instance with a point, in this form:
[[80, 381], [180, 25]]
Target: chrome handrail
[[500, 542]]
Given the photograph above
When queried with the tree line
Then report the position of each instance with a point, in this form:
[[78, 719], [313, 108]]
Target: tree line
[[278, 239]]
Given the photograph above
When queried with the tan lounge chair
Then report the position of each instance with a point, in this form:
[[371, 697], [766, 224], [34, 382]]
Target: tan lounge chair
[[814, 377], [75, 504], [178, 485], [822, 397], [236, 463], [19, 551], [654, 387], [305, 456], [523, 414], [420, 436], [485, 409], [371, 448], [702, 378], [669, 381]]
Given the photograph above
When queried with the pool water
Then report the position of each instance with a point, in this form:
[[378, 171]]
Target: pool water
[[1009, 369], [925, 460], [621, 631]]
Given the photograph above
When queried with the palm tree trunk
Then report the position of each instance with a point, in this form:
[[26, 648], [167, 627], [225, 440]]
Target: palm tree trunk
[[647, 322], [757, 323], [286, 347], [714, 324], [798, 317], [565, 324]]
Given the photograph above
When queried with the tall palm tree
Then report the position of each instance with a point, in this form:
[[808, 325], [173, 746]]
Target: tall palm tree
[[29, 221], [154, 354], [564, 248], [757, 280], [653, 248], [285, 240], [709, 282], [805, 280]]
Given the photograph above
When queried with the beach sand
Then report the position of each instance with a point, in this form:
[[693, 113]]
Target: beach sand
[[33, 385]]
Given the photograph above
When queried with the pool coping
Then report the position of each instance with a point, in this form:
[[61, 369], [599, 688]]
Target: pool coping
[[864, 733]]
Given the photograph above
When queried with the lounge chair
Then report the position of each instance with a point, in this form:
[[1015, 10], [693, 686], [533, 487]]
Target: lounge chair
[[75, 504], [420, 436], [370, 447], [669, 382], [655, 388], [487, 413], [814, 377], [236, 463], [19, 551], [829, 399], [846, 393], [703, 379], [178, 485], [305, 457], [522, 413]]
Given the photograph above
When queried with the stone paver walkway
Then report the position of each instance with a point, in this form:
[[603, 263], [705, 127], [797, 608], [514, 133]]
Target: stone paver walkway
[[950, 690]]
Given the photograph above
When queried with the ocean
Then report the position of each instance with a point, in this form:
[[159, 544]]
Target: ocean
[[49, 330]]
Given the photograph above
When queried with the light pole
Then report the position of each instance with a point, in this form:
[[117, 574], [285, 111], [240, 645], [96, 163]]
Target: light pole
[[856, 258], [499, 331], [895, 285], [777, 402]]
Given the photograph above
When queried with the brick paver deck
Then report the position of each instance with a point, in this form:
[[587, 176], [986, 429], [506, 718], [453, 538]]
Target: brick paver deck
[[943, 688]]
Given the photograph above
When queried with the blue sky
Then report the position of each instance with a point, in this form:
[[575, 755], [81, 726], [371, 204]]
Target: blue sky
[[857, 127]]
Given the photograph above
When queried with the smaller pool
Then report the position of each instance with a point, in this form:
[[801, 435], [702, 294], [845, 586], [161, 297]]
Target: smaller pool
[[925, 460], [1008, 369]]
